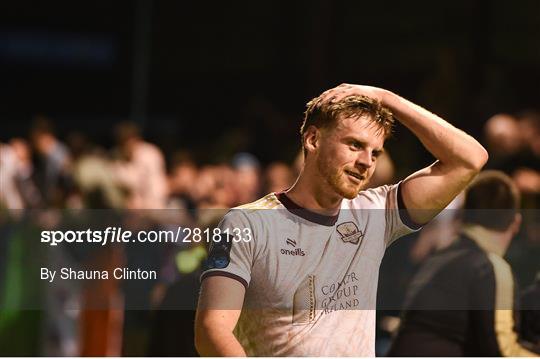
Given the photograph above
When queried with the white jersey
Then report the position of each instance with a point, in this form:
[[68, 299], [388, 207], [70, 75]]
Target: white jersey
[[311, 280]]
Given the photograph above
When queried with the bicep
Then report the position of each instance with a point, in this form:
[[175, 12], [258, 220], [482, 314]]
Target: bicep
[[427, 192], [220, 303]]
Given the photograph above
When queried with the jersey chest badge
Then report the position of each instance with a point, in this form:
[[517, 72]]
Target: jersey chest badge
[[349, 232]]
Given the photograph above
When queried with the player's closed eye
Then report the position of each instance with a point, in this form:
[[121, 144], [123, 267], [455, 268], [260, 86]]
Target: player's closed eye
[[355, 145]]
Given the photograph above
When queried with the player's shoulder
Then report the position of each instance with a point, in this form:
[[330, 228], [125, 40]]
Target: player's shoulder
[[270, 201], [249, 212], [376, 197]]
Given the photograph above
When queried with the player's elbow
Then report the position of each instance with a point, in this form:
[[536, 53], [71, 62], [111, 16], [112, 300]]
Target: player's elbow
[[209, 337], [483, 158], [477, 160]]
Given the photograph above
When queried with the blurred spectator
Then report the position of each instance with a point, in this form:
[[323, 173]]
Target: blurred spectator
[[205, 190], [277, 177], [95, 182], [530, 315], [247, 177], [52, 172], [503, 139], [182, 179], [514, 147], [140, 167], [529, 124], [18, 189], [461, 301], [527, 177], [440, 232], [511, 145], [224, 193]]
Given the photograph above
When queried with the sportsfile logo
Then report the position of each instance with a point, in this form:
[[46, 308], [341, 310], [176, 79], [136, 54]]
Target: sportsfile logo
[[292, 252]]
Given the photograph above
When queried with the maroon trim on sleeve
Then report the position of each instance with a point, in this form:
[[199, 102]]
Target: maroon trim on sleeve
[[306, 213], [224, 274], [404, 213]]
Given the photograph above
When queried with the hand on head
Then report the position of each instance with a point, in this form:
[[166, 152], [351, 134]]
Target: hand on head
[[342, 91]]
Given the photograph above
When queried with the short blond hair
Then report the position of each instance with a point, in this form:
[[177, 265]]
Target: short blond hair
[[324, 114]]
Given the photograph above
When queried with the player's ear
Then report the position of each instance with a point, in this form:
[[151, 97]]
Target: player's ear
[[312, 139]]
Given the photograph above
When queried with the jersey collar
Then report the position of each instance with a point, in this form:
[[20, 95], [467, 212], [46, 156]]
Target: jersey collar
[[306, 213]]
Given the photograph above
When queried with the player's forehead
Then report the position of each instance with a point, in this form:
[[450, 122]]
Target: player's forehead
[[363, 128]]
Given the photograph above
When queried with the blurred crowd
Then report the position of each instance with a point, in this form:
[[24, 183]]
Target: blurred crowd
[[44, 171]]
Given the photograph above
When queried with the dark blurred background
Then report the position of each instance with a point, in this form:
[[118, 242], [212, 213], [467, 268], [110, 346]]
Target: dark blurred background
[[202, 75]]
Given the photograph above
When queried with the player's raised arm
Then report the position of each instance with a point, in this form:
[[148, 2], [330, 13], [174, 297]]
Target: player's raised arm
[[459, 156], [219, 308], [459, 159]]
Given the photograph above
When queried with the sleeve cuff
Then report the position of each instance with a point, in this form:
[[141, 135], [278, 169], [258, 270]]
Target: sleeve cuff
[[218, 273], [404, 213]]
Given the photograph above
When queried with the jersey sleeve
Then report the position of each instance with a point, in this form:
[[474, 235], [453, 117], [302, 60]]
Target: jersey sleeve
[[398, 222], [231, 255]]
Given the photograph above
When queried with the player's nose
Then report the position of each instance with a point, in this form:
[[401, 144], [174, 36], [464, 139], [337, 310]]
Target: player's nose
[[364, 159]]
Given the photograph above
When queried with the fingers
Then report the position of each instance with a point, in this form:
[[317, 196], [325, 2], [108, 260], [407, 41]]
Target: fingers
[[337, 93], [344, 90]]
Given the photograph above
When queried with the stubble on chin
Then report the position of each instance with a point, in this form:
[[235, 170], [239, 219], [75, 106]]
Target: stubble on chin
[[350, 192], [339, 184], [337, 181]]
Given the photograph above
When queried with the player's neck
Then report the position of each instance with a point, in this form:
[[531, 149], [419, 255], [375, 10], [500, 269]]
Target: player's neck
[[308, 194]]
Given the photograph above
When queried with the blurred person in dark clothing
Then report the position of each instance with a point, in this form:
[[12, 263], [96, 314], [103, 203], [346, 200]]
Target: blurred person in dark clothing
[[461, 301], [439, 233], [524, 168], [53, 166], [529, 124], [214, 187], [511, 143], [181, 179], [174, 318], [527, 177], [530, 315]]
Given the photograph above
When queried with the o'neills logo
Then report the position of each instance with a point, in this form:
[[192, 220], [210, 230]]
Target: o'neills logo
[[349, 232], [292, 252], [296, 252]]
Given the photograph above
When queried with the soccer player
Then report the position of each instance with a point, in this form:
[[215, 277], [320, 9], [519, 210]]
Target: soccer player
[[304, 282]]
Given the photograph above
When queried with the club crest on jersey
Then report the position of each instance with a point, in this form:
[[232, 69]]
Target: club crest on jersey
[[349, 232], [219, 253]]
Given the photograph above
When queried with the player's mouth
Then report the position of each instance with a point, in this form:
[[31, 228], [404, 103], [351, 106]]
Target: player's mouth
[[357, 176]]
